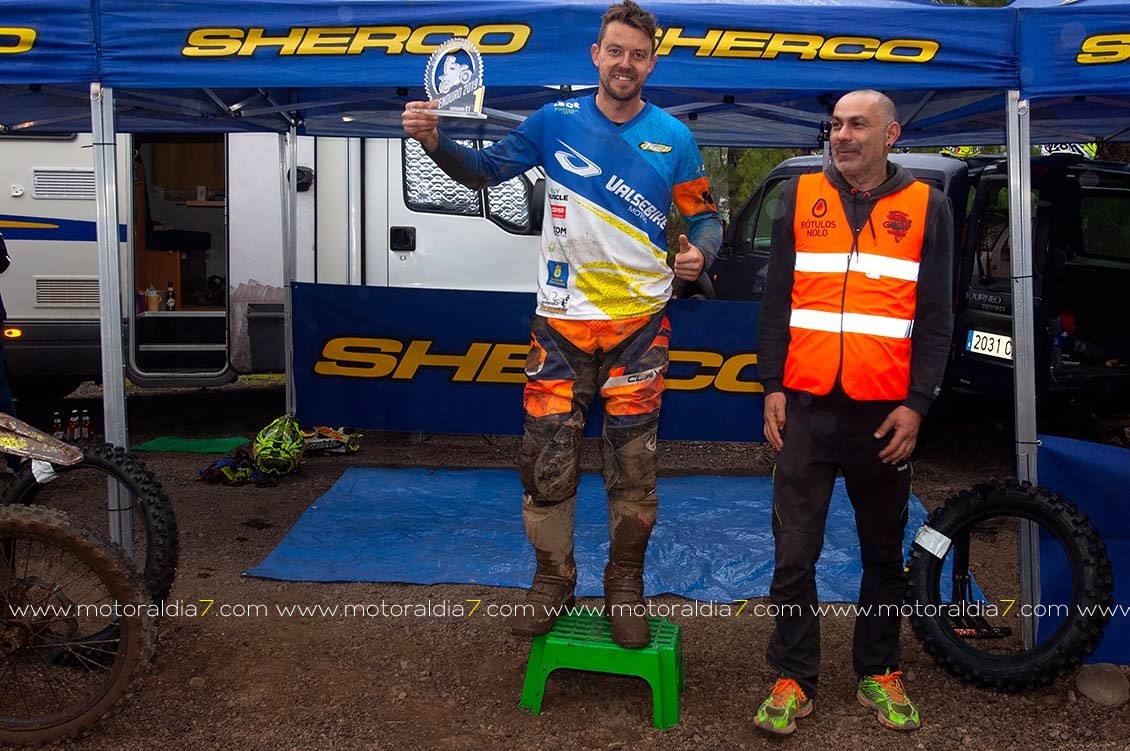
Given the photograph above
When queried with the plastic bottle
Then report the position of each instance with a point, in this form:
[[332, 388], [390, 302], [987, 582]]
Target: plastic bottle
[[170, 298], [73, 426], [57, 426]]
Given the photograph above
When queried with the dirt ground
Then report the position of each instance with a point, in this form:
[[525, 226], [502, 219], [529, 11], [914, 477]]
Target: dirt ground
[[279, 682]]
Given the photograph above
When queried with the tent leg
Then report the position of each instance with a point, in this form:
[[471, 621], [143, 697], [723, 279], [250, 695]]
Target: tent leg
[[288, 161], [110, 298], [353, 199], [1023, 344]]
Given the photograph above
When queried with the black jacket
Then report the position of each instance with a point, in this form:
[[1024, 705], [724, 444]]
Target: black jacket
[[933, 318]]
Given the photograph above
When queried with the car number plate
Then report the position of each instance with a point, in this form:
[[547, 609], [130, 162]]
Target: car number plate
[[993, 345]]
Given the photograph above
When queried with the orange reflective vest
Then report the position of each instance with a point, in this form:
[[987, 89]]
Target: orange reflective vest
[[854, 294]]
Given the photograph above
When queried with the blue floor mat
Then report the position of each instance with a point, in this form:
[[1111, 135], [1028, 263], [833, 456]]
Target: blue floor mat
[[712, 540]]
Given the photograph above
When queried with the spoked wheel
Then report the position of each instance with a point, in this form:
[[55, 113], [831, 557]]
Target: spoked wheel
[[75, 631], [78, 489], [965, 587]]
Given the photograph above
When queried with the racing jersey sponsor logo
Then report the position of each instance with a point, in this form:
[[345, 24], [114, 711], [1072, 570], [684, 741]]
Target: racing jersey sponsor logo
[[637, 204], [557, 195], [658, 148], [557, 210], [554, 303], [558, 274], [567, 108], [559, 231], [576, 162]]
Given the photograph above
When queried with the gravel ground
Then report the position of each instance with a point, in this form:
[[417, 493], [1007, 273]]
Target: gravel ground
[[275, 682]]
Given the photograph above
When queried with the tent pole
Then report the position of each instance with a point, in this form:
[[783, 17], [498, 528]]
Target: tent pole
[[110, 299], [1023, 343], [288, 160], [353, 201]]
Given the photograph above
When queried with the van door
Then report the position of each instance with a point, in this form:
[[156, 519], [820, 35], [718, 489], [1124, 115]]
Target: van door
[[179, 270], [983, 318], [446, 236], [739, 271]]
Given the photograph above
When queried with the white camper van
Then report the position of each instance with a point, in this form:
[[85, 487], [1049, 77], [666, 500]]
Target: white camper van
[[202, 254]]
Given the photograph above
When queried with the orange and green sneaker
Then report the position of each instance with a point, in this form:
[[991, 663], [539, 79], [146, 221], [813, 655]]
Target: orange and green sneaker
[[886, 694], [778, 713]]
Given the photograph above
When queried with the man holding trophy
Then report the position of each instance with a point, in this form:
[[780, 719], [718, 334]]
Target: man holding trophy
[[614, 163]]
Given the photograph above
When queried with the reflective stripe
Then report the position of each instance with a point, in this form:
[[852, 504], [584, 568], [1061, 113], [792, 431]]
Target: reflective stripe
[[822, 262], [852, 323], [817, 320], [894, 328], [876, 266], [872, 264]]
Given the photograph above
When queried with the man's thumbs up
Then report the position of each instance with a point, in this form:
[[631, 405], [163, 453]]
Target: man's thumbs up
[[688, 261]]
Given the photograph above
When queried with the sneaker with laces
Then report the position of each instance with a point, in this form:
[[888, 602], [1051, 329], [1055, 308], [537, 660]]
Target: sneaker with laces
[[778, 713], [886, 694]]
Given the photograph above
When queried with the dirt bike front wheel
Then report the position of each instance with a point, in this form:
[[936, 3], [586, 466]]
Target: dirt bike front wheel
[[80, 490]]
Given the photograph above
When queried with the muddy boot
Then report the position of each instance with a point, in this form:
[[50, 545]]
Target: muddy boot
[[549, 527], [547, 598], [623, 599]]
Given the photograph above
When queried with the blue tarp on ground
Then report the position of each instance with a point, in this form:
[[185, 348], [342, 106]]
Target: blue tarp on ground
[[1095, 478], [424, 526]]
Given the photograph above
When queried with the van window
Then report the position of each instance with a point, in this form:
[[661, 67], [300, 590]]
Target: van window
[[427, 188], [756, 229], [993, 269], [1106, 223], [993, 252], [508, 204]]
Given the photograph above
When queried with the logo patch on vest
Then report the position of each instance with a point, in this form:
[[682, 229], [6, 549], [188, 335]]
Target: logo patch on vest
[[820, 208], [898, 224]]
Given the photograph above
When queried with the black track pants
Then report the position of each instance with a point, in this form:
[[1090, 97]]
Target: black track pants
[[824, 435]]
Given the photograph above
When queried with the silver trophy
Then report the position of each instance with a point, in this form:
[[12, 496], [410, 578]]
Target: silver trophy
[[454, 79]]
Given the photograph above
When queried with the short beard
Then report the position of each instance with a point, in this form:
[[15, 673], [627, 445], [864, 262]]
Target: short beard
[[609, 92]]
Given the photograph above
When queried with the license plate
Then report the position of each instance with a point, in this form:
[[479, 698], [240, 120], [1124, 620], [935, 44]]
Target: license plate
[[993, 345]]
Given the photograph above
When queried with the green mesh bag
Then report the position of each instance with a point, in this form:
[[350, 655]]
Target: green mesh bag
[[277, 449]]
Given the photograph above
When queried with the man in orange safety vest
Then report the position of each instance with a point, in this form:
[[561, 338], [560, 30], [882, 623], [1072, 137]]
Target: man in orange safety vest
[[853, 338]]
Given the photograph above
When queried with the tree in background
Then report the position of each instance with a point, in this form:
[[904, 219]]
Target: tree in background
[[1114, 152], [734, 174]]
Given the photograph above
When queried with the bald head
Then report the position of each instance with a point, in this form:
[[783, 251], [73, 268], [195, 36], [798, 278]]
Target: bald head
[[885, 106], [864, 127]]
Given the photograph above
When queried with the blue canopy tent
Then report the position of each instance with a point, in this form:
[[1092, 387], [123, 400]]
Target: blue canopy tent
[[761, 72], [1073, 83], [1073, 67], [766, 74]]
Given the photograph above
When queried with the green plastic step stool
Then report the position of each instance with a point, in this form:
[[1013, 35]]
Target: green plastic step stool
[[584, 642]]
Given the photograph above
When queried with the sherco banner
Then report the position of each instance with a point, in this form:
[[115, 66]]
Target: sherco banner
[[1074, 48], [720, 45], [47, 41], [453, 361]]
